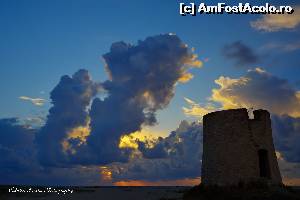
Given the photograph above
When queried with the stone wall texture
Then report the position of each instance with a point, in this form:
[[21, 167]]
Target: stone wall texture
[[237, 149]]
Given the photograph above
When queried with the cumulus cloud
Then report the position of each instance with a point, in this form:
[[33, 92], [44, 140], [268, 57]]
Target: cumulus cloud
[[259, 89], [241, 54], [70, 99], [16, 145], [256, 89], [82, 132], [286, 131], [177, 156], [34, 101], [272, 23], [290, 171], [20, 164], [81, 129], [17, 151], [142, 80]]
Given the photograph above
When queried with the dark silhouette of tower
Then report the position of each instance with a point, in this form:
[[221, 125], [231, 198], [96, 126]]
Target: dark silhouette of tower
[[238, 149]]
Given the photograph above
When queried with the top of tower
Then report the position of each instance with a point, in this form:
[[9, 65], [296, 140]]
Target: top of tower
[[238, 113], [261, 114], [227, 113]]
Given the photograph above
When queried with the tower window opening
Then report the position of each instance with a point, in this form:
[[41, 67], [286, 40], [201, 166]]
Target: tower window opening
[[264, 165]]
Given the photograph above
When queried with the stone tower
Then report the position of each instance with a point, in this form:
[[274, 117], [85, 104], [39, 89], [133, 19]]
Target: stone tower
[[238, 149]]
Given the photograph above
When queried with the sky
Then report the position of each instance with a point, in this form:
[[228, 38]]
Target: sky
[[128, 104]]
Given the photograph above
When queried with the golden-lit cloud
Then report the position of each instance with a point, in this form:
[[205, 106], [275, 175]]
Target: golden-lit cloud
[[128, 141], [178, 182], [185, 78], [161, 158], [131, 140], [192, 62], [272, 23], [196, 110], [80, 133], [219, 95], [258, 89], [34, 101]]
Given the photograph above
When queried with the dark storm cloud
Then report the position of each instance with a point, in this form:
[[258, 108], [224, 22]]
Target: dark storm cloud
[[179, 156], [286, 131], [19, 163], [16, 146], [70, 99], [142, 81], [241, 54], [15, 135], [159, 150], [17, 152], [260, 90]]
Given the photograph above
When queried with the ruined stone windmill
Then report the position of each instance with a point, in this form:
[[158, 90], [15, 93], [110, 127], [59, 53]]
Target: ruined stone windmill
[[238, 149]]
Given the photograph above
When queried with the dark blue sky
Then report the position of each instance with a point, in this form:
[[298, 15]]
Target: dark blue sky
[[40, 41]]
